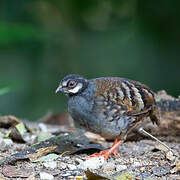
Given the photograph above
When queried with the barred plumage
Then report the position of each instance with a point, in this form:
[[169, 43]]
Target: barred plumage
[[124, 96], [109, 106]]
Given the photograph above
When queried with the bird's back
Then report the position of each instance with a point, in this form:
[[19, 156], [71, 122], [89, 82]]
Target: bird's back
[[123, 96]]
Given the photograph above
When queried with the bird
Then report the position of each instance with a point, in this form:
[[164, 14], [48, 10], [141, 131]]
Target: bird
[[108, 106]]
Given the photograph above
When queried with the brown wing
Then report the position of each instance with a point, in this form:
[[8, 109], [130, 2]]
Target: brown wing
[[123, 96]]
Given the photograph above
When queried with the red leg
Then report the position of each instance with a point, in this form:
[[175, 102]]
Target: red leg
[[112, 150]]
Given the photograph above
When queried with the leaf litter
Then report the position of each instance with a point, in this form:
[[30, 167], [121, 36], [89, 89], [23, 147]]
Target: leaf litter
[[65, 156]]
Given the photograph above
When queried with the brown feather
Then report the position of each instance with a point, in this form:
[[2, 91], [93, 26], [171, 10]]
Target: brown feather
[[129, 96]]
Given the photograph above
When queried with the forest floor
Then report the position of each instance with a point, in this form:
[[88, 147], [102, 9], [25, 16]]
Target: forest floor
[[143, 159]]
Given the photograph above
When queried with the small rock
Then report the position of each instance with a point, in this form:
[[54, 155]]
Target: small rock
[[43, 135], [50, 164], [144, 176], [78, 161], [49, 157], [6, 144], [176, 168], [121, 167], [31, 139], [170, 156], [131, 160], [174, 176], [67, 158], [43, 127], [92, 163], [69, 174], [46, 176], [108, 167], [63, 165], [161, 171], [142, 168], [71, 166], [137, 164], [14, 172]]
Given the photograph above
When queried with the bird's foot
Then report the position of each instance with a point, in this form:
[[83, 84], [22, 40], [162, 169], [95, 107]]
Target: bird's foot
[[113, 150]]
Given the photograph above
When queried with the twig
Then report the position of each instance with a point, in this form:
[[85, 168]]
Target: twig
[[153, 137]]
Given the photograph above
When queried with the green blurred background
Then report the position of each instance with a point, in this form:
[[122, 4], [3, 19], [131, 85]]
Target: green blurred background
[[43, 40]]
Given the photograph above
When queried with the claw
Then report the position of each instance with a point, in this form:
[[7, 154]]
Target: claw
[[113, 150]]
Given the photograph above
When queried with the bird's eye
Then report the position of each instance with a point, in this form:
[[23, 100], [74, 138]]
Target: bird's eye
[[72, 84]]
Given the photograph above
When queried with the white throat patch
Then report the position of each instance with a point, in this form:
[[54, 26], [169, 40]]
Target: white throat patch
[[76, 89]]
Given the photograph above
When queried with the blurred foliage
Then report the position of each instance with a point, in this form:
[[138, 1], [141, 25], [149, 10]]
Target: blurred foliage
[[43, 40], [4, 91], [13, 34]]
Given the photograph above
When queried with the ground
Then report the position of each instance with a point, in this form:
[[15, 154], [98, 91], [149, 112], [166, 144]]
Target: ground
[[144, 159]]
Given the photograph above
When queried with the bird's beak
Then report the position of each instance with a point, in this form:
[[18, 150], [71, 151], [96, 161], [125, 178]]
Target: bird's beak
[[60, 89]]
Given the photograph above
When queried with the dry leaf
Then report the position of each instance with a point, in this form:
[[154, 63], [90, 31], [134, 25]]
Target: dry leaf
[[8, 121], [176, 168], [170, 156], [41, 152], [161, 147], [13, 171]]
